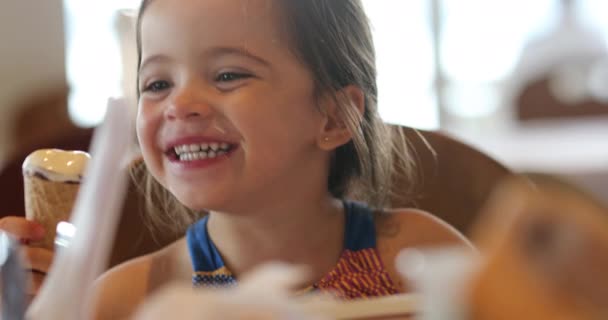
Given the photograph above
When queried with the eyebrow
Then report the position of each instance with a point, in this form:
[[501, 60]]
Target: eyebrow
[[213, 52], [152, 59], [241, 51]]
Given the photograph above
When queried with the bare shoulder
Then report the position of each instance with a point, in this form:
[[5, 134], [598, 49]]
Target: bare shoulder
[[417, 228], [119, 291], [399, 229]]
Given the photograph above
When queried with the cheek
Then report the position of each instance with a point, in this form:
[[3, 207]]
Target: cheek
[[147, 127], [283, 130]]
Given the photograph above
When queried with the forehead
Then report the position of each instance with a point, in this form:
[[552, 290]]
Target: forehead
[[247, 23]]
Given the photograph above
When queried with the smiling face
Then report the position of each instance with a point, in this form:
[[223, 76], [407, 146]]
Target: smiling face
[[227, 114]]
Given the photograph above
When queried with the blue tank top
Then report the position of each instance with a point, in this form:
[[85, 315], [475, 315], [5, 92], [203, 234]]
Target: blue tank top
[[358, 273]]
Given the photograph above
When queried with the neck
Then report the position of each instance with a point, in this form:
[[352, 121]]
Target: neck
[[296, 231]]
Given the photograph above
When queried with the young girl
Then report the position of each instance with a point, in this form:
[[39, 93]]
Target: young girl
[[263, 113]]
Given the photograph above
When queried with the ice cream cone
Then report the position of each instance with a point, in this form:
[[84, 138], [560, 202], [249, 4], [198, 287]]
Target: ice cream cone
[[50, 189], [48, 203]]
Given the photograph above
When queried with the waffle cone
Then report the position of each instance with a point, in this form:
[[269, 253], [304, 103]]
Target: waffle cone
[[48, 203]]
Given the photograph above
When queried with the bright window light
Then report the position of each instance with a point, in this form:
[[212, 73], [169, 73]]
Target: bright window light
[[93, 57], [404, 52], [596, 13], [482, 39]]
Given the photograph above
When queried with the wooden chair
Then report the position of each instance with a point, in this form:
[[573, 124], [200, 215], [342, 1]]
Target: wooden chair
[[454, 179]]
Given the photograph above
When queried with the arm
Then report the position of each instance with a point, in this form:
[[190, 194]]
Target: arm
[[119, 292]]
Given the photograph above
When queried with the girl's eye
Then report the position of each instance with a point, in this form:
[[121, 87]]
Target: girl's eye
[[157, 86], [231, 76]]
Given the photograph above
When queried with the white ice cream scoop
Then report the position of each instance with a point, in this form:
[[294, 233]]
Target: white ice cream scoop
[[56, 165]]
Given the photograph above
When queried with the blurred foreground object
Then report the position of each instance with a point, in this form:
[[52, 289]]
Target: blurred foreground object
[[544, 255], [268, 293], [66, 290], [547, 254], [264, 295], [13, 280]]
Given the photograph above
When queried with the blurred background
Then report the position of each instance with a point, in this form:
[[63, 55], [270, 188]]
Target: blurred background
[[526, 82]]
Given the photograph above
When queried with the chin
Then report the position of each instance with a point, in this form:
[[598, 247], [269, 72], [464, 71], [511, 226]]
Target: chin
[[198, 202]]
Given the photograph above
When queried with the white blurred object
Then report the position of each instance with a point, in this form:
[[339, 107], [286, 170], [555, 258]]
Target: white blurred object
[[94, 61], [65, 234], [480, 41], [65, 292], [13, 279], [125, 25], [264, 294], [441, 276], [405, 62], [268, 294]]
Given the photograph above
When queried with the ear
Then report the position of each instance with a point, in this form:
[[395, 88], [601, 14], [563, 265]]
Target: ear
[[347, 107]]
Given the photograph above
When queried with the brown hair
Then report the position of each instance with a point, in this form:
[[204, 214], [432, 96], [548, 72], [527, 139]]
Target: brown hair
[[333, 38]]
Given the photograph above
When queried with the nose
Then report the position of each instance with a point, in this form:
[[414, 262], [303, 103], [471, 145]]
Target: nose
[[188, 102]]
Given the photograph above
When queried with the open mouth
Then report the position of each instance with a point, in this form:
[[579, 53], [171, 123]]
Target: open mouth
[[199, 151]]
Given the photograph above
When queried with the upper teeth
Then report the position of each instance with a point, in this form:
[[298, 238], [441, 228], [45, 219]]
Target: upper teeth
[[213, 146], [201, 151]]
